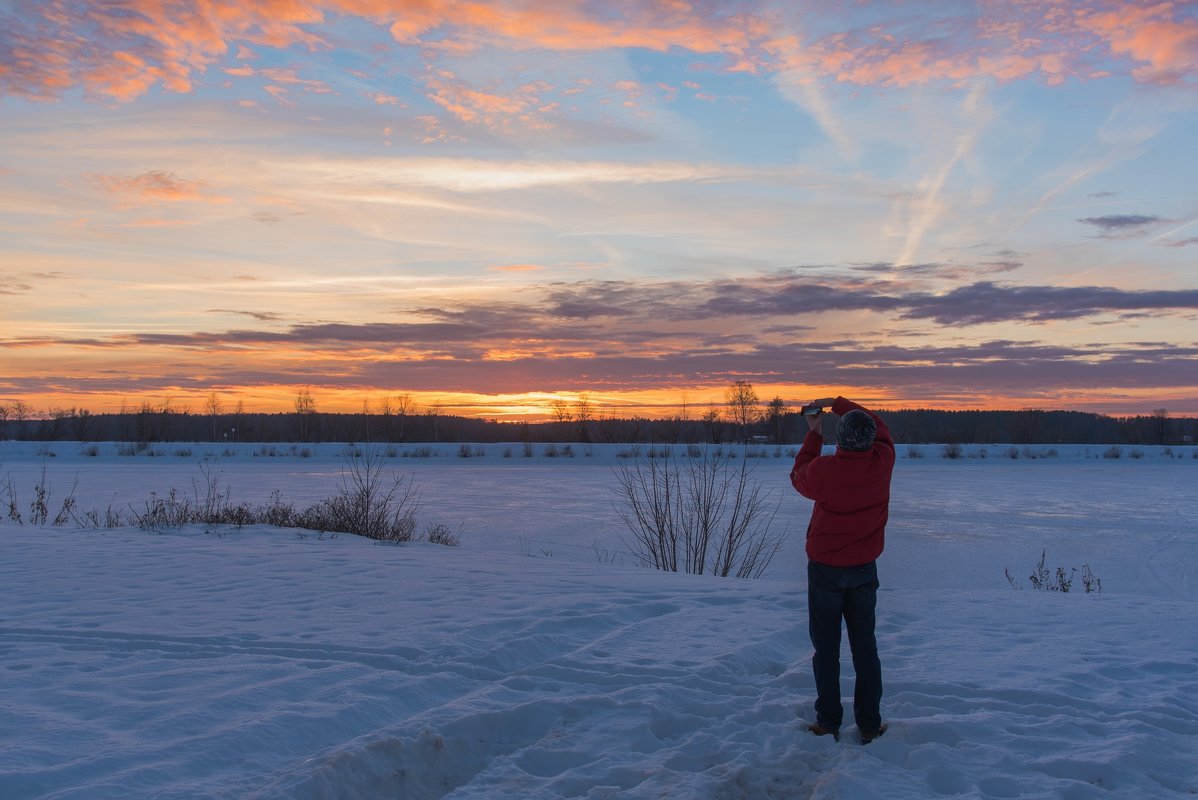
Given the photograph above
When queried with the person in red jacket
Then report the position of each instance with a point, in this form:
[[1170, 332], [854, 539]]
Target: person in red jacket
[[851, 490]]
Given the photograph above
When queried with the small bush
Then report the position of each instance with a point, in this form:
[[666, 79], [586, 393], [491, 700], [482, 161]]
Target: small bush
[[1136, 453], [464, 451], [551, 451], [507, 452], [91, 451], [183, 452], [567, 451], [951, 450], [1115, 451], [914, 452], [442, 535]]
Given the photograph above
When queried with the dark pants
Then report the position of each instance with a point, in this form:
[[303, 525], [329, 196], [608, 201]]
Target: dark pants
[[848, 593]]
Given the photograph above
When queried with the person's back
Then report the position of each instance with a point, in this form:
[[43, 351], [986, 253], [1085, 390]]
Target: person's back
[[851, 491]]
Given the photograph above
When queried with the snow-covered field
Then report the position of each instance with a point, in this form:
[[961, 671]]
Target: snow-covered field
[[537, 661]]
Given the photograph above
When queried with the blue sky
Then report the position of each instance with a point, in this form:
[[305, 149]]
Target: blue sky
[[488, 206]]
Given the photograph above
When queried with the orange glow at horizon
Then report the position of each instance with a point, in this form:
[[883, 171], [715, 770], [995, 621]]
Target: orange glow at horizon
[[687, 402]]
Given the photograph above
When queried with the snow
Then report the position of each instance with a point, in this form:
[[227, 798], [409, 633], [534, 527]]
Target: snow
[[537, 661]]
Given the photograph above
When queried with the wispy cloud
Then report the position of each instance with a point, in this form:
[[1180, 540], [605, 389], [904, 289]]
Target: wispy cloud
[[1122, 225], [929, 205], [479, 175]]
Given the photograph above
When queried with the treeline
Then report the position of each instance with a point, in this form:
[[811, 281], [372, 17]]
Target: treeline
[[774, 426]]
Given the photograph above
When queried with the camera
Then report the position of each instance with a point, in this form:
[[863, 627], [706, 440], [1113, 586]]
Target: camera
[[810, 411]]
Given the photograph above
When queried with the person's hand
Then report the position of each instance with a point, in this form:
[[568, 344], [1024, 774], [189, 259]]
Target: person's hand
[[827, 401], [814, 420]]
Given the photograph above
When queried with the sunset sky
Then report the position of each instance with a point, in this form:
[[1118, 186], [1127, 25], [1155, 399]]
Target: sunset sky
[[487, 205]]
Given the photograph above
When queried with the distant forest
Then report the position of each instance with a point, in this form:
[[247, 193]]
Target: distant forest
[[775, 425]]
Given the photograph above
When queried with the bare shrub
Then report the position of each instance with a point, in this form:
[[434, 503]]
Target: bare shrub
[[442, 535], [368, 502], [1115, 451], [1045, 580], [701, 516], [951, 450], [40, 505], [914, 452], [278, 513], [172, 511]]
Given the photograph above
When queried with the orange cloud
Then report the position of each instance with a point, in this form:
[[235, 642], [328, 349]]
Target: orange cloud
[[156, 186], [477, 106], [516, 267], [124, 48]]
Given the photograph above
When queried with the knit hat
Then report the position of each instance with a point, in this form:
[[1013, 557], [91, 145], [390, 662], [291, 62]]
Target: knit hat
[[856, 430]]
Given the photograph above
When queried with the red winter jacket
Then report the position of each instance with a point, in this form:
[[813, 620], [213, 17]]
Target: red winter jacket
[[851, 491]]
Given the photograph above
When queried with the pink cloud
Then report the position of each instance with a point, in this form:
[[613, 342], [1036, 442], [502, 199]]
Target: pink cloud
[[1167, 49], [280, 94]]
